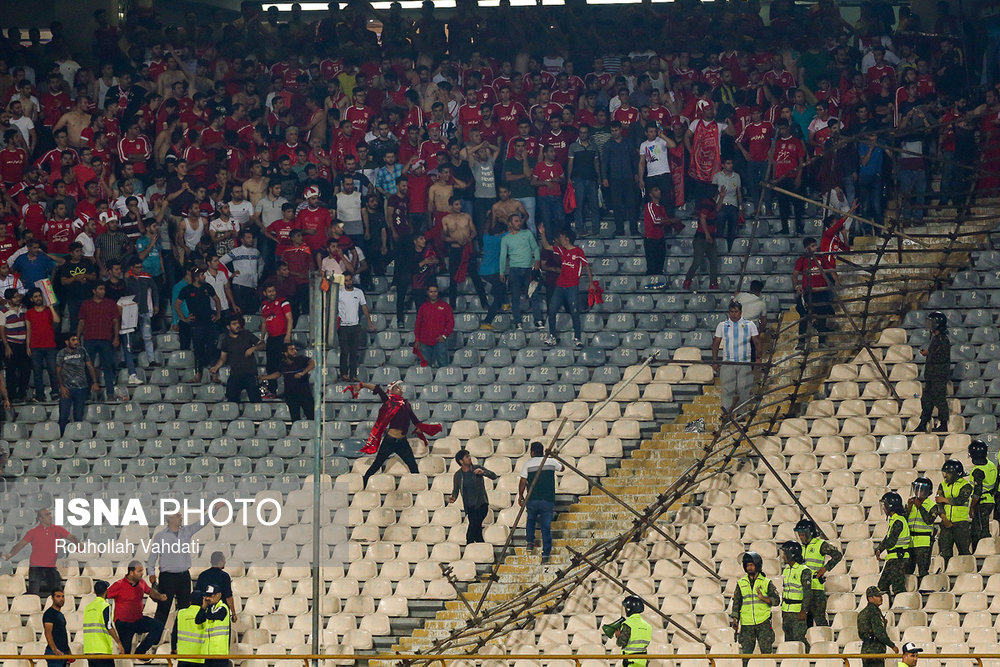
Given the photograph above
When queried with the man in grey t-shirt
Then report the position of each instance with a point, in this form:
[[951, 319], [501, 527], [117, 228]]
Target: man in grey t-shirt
[[728, 200], [72, 366], [482, 157], [468, 481]]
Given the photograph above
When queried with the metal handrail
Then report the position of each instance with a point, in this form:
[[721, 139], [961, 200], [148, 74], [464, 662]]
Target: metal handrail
[[445, 658]]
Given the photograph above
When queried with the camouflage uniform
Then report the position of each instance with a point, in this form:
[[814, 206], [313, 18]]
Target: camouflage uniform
[[893, 577], [793, 626], [871, 631], [937, 371], [761, 634], [959, 534], [982, 513], [920, 556], [816, 601]]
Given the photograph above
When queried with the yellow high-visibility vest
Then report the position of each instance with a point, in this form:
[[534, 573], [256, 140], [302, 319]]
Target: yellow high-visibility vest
[[814, 561], [792, 594], [640, 633], [902, 546], [754, 610], [190, 635], [955, 513], [989, 482], [920, 531], [96, 638], [217, 633]]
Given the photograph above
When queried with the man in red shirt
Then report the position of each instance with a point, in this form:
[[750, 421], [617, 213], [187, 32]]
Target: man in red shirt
[[40, 333], [359, 114], [276, 328], [13, 158], [548, 177], [43, 576], [625, 114], [508, 113], [880, 69], [299, 258], [58, 231], [789, 153], [779, 76], [134, 149], [558, 139], [98, 327], [654, 241], [128, 594], [754, 141], [566, 293], [814, 286], [433, 145], [314, 221], [435, 323], [530, 141]]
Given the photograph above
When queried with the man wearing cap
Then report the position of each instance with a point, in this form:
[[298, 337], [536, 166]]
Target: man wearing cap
[[911, 652], [214, 617], [100, 637], [737, 336], [314, 220], [871, 629]]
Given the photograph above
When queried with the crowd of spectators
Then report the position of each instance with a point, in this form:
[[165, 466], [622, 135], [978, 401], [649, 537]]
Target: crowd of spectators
[[197, 174]]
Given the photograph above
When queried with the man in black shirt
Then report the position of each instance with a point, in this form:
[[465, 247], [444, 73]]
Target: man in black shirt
[[218, 577], [237, 346], [203, 307], [54, 623], [180, 189], [75, 281], [295, 368]]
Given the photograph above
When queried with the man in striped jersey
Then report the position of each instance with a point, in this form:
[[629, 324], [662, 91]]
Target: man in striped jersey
[[737, 336]]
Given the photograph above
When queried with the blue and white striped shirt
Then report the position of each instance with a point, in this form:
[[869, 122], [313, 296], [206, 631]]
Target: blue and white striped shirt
[[736, 343]]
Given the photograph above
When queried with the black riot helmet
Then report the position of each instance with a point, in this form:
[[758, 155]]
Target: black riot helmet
[[806, 527], [792, 550], [633, 604], [953, 468], [977, 452], [892, 502], [753, 557], [922, 487], [938, 320]]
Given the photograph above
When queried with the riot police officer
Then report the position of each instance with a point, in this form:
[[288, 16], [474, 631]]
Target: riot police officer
[[921, 512], [983, 478], [796, 589], [896, 544], [820, 557], [752, 602], [954, 496]]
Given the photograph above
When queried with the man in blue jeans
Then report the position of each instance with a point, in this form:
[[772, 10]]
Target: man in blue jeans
[[536, 491], [566, 293], [519, 254], [72, 367]]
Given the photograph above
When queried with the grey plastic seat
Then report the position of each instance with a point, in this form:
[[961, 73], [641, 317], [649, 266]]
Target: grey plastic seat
[[258, 412], [512, 375], [179, 393], [482, 340], [758, 265], [980, 424], [606, 340], [419, 375], [272, 430], [529, 392], [612, 303], [205, 465], [667, 340], [958, 335], [254, 448], [639, 303], [941, 299], [972, 388], [986, 259], [237, 466], [352, 412], [61, 449], [42, 467], [700, 303], [497, 393], [605, 266], [351, 447], [966, 370], [560, 392], [559, 358], [253, 483], [240, 429], [512, 411], [776, 246], [653, 322], [593, 357], [621, 284], [479, 411], [991, 370], [469, 321], [449, 375], [498, 358], [481, 375], [635, 266], [990, 278], [684, 322], [608, 374], [126, 448], [977, 406], [174, 430], [636, 340], [374, 357], [977, 317], [670, 303], [171, 465], [190, 482], [207, 429], [337, 430], [212, 393], [13, 431], [222, 447], [98, 412], [620, 322], [513, 340], [985, 334], [141, 467], [93, 449], [575, 374], [966, 279], [45, 432], [163, 377], [75, 467], [433, 393], [466, 393], [128, 413], [972, 298], [386, 304], [403, 357], [529, 358], [147, 429], [543, 375], [914, 319], [699, 338], [160, 413], [621, 357], [303, 429], [224, 411], [964, 352], [465, 358], [593, 322], [622, 248], [446, 412], [388, 340]]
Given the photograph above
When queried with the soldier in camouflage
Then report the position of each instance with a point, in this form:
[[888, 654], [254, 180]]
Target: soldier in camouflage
[[921, 513], [953, 499], [937, 372], [983, 478], [871, 629], [751, 613], [896, 544], [820, 557], [796, 590]]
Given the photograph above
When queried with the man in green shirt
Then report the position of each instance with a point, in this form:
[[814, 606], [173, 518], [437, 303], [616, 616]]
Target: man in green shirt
[[536, 491], [519, 254]]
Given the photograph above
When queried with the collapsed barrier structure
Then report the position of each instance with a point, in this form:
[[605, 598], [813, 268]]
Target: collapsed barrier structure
[[881, 278]]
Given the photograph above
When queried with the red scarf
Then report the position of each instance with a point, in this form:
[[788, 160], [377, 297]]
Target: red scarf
[[463, 264], [705, 157], [392, 405]]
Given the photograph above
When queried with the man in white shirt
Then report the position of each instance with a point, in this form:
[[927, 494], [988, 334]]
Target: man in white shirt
[[240, 208], [350, 304], [246, 265], [126, 188], [217, 276], [654, 165], [737, 337], [86, 237], [728, 201], [223, 230], [349, 211]]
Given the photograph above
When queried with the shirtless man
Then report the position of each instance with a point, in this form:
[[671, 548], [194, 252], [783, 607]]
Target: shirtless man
[[76, 121], [458, 232], [440, 193], [505, 207], [256, 185], [173, 74]]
